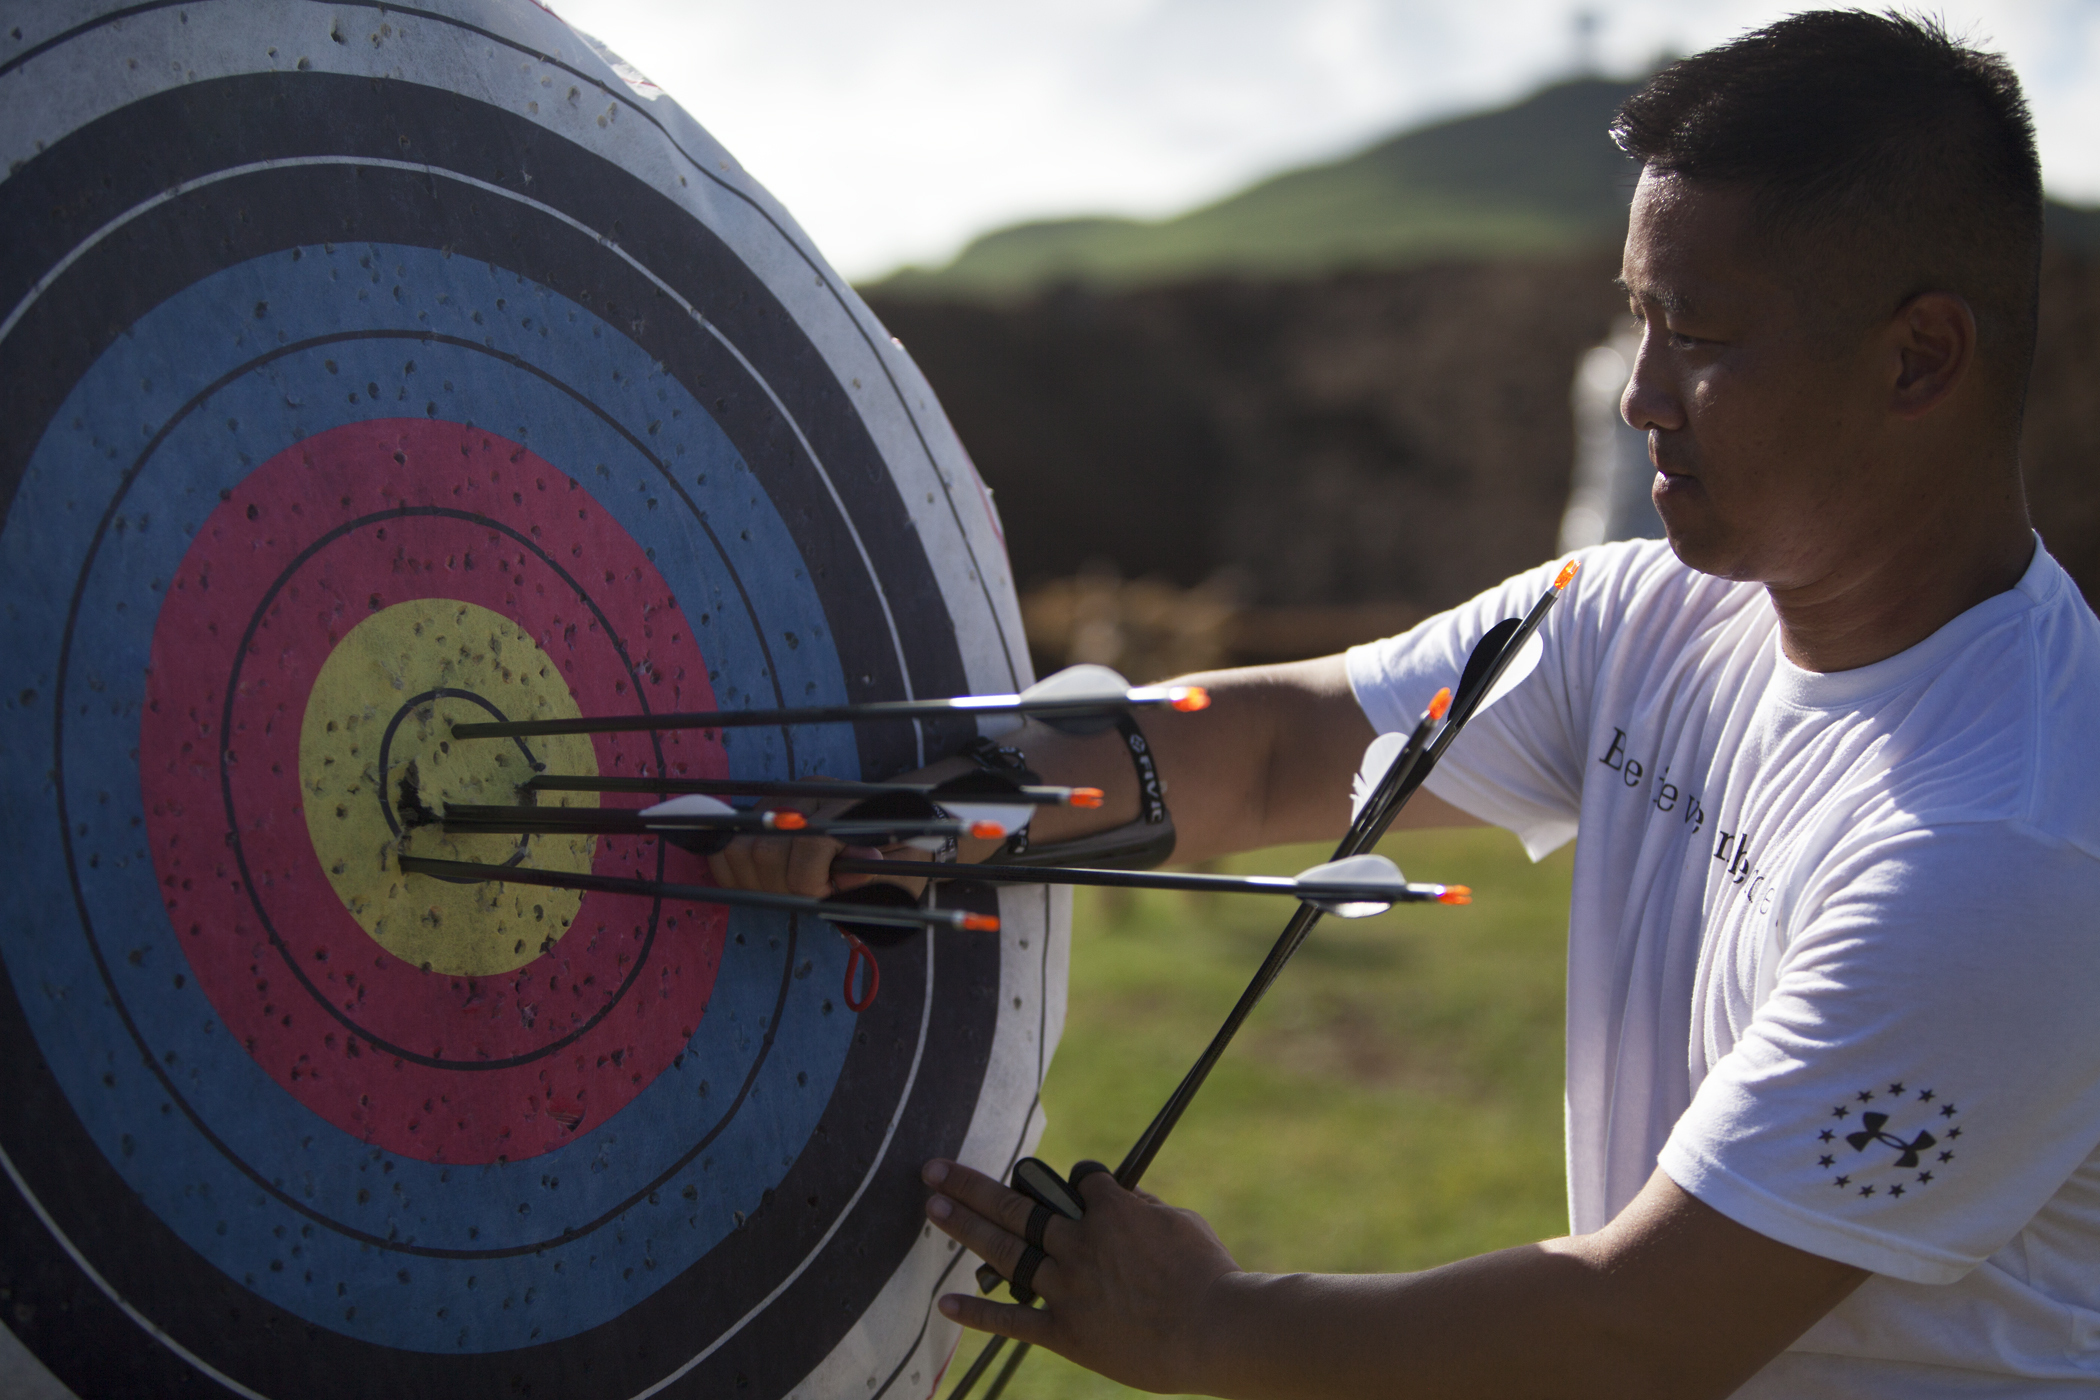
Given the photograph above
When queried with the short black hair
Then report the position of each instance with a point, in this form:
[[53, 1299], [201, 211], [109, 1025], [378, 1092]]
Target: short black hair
[[1896, 158]]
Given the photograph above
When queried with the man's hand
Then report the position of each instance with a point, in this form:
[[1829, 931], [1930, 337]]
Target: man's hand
[[783, 865], [1125, 1289], [802, 864], [1672, 1299]]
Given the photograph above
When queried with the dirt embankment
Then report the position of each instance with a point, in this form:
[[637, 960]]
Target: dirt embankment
[[1370, 444]]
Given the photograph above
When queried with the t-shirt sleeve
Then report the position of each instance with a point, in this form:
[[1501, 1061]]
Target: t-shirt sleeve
[[1518, 764], [1925, 1074]]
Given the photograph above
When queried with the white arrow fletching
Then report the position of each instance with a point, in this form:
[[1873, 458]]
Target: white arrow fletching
[[1007, 818], [1080, 683], [1350, 908], [1356, 874], [1073, 683], [1377, 759], [1380, 755], [1520, 668], [694, 804], [1365, 869]]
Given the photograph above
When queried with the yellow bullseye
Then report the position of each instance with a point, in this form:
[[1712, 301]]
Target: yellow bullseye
[[375, 745]]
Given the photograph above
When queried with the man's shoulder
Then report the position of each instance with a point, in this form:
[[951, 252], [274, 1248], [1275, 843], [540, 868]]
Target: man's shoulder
[[2060, 647], [1640, 592], [1627, 576], [1638, 614], [2003, 729]]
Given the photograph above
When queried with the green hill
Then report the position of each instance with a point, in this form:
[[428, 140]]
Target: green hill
[[1537, 177]]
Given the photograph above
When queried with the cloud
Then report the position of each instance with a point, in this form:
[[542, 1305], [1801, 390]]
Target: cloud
[[896, 132]]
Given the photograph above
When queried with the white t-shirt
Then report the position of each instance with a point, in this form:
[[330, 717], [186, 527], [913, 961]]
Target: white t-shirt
[[1834, 950]]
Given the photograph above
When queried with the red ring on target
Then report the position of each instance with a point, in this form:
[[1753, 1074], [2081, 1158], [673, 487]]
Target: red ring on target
[[436, 1066]]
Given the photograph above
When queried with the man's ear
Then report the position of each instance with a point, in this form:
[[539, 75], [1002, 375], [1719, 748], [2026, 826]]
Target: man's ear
[[1934, 335]]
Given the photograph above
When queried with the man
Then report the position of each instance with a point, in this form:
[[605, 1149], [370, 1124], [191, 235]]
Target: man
[[1834, 968]]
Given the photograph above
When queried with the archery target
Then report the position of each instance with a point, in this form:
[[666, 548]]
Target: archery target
[[368, 370]]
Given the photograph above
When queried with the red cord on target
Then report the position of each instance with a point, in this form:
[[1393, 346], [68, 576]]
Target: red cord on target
[[860, 953]]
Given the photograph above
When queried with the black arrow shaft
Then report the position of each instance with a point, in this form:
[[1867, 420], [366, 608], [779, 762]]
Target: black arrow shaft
[[469, 819], [1077, 707], [784, 787], [1136, 880], [476, 871]]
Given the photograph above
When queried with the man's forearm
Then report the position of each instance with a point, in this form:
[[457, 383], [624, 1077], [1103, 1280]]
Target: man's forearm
[[1671, 1300], [1521, 1322]]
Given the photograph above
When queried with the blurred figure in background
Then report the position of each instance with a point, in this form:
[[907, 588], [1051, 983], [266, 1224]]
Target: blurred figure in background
[[1608, 498]]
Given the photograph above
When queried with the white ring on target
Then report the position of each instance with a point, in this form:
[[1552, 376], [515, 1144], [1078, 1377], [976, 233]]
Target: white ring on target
[[889, 1133], [151, 1327]]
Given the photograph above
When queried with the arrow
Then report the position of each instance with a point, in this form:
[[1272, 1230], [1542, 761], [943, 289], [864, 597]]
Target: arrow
[[1081, 700], [845, 912], [705, 825], [1355, 888], [839, 789], [878, 913]]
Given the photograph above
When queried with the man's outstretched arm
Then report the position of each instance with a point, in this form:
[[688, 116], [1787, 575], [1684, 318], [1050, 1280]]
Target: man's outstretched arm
[[1269, 762], [1672, 1299]]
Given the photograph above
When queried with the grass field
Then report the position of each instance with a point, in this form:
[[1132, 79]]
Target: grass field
[[1395, 1103]]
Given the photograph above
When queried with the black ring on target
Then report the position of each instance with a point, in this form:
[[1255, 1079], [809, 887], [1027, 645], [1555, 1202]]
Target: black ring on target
[[393, 726], [165, 141]]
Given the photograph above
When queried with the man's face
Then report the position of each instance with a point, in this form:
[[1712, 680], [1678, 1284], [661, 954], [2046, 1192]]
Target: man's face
[[1761, 423]]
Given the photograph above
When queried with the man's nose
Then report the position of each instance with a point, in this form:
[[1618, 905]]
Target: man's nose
[[1651, 399]]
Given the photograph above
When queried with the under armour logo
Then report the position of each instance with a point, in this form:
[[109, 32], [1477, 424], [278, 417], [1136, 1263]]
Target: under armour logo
[[1872, 1133]]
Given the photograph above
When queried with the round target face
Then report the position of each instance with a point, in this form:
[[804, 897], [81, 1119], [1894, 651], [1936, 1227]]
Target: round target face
[[372, 371]]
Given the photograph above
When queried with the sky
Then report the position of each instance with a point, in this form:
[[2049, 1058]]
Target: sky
[[896, 131]]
